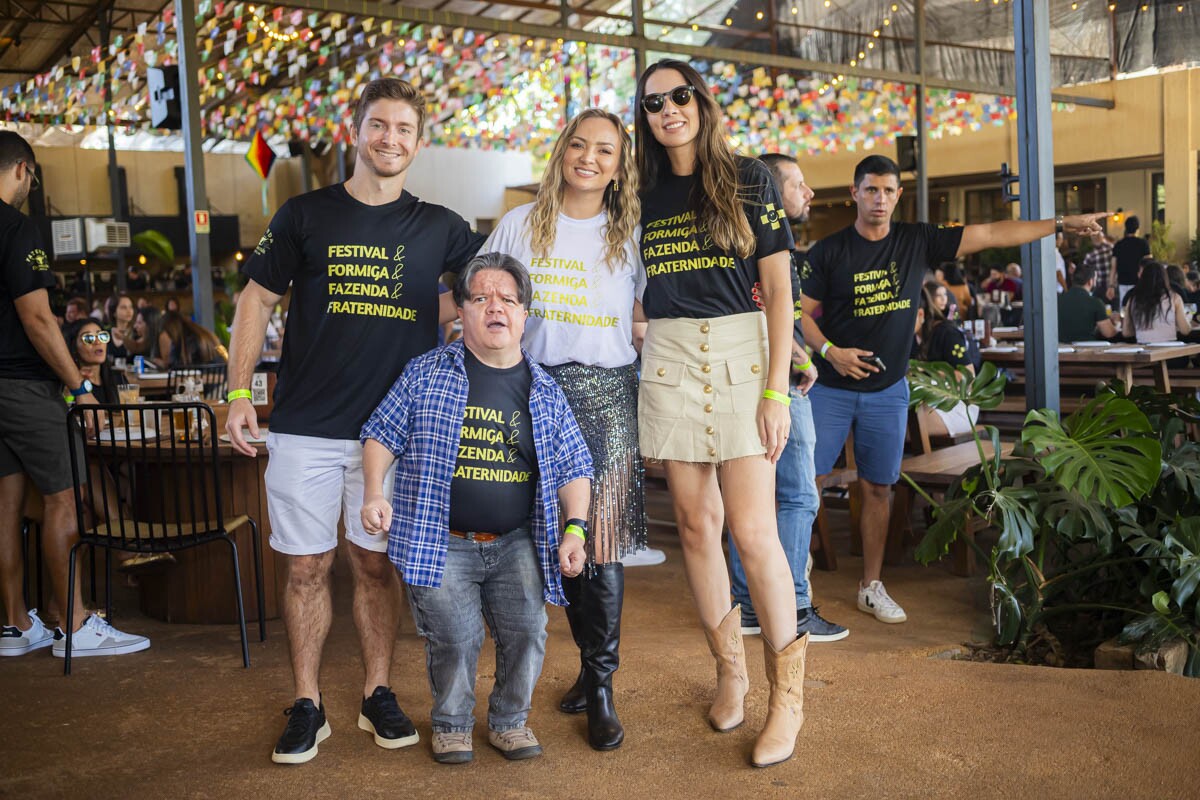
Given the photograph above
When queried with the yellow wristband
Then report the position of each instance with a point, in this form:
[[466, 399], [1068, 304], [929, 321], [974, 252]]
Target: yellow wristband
[[807, 363], [771, 394], [575, 530], [825, 348], [238, 394]]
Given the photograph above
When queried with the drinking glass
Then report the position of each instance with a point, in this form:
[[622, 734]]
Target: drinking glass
[[128, 393]]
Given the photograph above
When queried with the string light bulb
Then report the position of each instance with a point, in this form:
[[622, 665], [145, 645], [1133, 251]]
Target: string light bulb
[[759, 15]]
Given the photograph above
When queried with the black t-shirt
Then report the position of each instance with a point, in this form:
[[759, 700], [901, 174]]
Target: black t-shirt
[[25, 269], [1129, 252], [687, 276], [364, 285], [869, 293], [496, 473], [1078, 313], [946, 343]]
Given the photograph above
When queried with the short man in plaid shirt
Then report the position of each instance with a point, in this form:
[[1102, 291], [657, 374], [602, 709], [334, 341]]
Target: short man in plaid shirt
[[1099, 258], [487, 449]]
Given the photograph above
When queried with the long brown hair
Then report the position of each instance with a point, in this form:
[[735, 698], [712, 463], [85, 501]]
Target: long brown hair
[[621, 201], [183, 332], [933, 316], [717, 202]]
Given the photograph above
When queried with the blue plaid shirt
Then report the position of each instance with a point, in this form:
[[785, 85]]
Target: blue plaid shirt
[[420, 422]]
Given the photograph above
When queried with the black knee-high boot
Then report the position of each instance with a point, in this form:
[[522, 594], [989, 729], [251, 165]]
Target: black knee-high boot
[[604, 589], [575, 699]]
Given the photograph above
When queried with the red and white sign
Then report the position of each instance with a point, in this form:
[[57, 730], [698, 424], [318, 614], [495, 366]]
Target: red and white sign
[[202, 225]]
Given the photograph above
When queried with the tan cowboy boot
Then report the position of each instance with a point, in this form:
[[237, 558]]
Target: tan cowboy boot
[[785, 708], [732, 682]]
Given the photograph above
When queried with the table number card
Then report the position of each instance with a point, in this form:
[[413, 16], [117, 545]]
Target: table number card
[[258, 389]]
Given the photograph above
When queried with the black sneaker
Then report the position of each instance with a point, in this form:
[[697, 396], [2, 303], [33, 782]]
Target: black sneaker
[[306, 728], [818, 628], [381, 715], [750, 626]]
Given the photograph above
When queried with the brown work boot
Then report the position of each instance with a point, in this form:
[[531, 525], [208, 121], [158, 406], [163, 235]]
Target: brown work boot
[[732, 682], [785, 708]]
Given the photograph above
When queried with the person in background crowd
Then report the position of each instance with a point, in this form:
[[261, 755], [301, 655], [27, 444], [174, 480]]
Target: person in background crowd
[[584, 223], [77, 308], [120, 313], [1081, 314], [190, 343], [1099, 258], [34, 366], [172, 306], [956, 282], [342, 350], [939, 339], [452, 418], [713, 402], [1127, 255], [1002, 280], [151, 341], [1155, 312], [1178, 280], [865, 344]]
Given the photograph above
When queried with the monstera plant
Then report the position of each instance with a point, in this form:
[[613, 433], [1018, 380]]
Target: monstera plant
[[1066, 507]]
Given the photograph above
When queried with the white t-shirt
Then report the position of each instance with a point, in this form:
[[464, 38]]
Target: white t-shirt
[[581, 311]]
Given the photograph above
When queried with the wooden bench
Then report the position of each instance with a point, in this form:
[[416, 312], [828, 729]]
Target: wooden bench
[[934, 472]]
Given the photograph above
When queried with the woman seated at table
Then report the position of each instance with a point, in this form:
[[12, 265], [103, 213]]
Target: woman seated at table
[[87, 343], [151, 342], [938, 339], [1155, 313], [189, 344], [120, 311]]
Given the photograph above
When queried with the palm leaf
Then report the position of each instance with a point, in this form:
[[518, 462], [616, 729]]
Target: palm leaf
[[939, 385], [156, 246], [1096, 452]]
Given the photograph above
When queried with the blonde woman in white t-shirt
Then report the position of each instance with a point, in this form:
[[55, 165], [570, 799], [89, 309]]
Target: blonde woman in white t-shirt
[[579, 240]]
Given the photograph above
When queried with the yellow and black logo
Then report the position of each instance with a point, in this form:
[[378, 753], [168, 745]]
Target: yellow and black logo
[[771, 217], [264, 244], [37, 261]]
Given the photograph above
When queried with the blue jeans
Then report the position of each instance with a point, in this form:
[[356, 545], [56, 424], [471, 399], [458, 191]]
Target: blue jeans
[[498, 581], [798, 502]]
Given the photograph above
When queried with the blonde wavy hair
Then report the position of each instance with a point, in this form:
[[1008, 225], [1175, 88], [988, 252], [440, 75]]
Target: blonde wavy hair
[[620, 197], [718, 204]]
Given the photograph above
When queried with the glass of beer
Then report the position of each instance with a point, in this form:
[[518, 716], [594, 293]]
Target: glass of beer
[[128, 393]]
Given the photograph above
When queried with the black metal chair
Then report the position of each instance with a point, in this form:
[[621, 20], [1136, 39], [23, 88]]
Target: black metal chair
[[213, 377], [155, 488]]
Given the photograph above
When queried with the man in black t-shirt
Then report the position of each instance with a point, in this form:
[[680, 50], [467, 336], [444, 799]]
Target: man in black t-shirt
[[362, 260], [34, 368], [861, 291], [1127, 256], [1081, 314]]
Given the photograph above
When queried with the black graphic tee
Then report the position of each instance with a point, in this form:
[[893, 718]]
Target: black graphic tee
[[687, 276], [946, 343], [1129, 252], [496, 474], [24, 268], [869, 294], [364, 283]]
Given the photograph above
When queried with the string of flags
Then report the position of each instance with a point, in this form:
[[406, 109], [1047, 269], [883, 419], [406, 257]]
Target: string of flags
[[272, 72]]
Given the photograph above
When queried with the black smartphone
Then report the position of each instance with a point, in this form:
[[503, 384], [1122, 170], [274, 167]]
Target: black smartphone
[[874, 361]]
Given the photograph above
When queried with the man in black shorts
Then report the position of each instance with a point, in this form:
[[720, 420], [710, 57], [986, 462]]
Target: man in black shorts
[[34, 368], [362, 260], [861, 293]]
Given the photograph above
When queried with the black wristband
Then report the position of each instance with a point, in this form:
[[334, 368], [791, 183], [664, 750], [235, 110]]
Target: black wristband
[[582, 523]]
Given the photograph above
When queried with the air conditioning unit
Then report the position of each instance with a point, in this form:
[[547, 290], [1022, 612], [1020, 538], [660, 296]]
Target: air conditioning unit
[[67, 235], [106, 234]]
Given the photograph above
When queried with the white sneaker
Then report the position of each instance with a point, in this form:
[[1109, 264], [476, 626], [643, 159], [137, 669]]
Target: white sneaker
[[98, 638], [16, 642], [644, 558], [874, 599]]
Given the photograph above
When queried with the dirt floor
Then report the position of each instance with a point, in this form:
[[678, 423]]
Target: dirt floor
[[888, 714]]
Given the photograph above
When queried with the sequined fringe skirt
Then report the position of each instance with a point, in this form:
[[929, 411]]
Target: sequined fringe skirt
[[604, 402]]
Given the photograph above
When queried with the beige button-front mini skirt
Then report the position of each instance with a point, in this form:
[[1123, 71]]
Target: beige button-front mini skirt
[[702, 380]]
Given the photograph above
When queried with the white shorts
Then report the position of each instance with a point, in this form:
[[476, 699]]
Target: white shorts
[[312, 481]]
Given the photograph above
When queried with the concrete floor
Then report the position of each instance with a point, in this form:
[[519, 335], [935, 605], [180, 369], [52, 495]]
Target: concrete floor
[[885, 715]]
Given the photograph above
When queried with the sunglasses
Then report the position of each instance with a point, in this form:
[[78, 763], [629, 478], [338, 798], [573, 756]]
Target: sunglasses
[[104, 337], [34, 180], [680, 97]]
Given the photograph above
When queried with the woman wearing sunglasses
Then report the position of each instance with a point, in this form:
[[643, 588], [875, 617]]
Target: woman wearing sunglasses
[[714, 392], [88, 343], [578, 238]]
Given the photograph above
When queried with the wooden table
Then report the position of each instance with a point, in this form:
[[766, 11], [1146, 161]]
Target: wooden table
[[1122, 364], [151, 385]]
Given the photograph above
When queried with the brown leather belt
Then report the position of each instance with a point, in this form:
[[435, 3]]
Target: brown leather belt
[[476, 536]]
